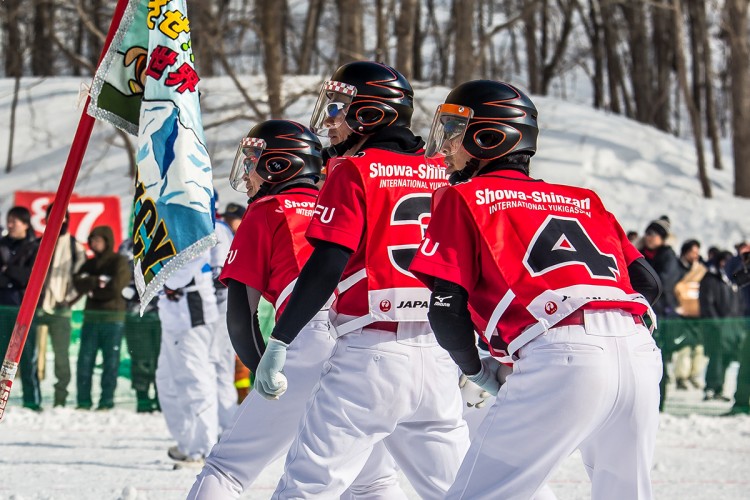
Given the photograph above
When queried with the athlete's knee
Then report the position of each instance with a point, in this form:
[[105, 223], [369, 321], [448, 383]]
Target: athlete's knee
[[212, 484], [384, 488]]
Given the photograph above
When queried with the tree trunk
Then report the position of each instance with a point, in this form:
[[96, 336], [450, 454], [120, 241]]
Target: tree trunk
[[739, 68], [12, 37], [350, 31], [12, 124], [204, 31], [418, 41], [271, 20], [463, 69], [93, 40], [405, 38], [594, 31], [614, 65], [381, 27], [641, 76], [663, 38], [708, 79], [552, 64], [42, 47], [310, 37], [532, 51], [695, 117]]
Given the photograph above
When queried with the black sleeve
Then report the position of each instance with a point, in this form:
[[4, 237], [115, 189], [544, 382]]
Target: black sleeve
[[248, 343], [644, 280], [315, 285], [451, 321]]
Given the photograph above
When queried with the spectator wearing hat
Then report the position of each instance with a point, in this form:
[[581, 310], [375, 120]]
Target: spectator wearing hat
[[719, 302], [17, 254], [664, 261], [233, 215]]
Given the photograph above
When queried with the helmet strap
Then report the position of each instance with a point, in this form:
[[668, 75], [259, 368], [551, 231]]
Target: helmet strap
[[466, 173], [341, 148]]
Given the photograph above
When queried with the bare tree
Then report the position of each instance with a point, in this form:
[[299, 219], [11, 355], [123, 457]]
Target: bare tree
[[271, 20], [695, 118], [641, 75], [405, 37], [703, 74], [463, 65], [739, 68], [309, 41], [664, 37], [350, 31], [42, 53]]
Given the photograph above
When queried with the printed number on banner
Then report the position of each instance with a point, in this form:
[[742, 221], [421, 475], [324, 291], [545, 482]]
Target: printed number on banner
[[561, 241], [411, 210]]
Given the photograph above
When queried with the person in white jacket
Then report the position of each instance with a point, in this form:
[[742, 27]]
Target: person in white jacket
[[185, 374], [222, 352]]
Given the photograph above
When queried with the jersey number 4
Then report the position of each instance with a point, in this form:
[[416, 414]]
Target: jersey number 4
[[562, 241]]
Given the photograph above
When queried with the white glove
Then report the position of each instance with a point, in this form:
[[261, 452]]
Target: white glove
[[471, 394], [489, 377], [270, 382]]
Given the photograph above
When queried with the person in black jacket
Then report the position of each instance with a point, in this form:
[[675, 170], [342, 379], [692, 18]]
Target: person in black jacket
[[17, 254], [720, 301], [102, 278], [662, 258]]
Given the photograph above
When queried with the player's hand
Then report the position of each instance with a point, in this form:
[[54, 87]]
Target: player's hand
[[489, 377], [472, 394], [270, 382]]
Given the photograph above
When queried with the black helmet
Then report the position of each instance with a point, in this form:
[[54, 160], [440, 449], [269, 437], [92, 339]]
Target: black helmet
[[278, 150], [504, 119], [383, 97]]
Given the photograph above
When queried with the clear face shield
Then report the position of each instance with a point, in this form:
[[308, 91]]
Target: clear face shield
[[448, 129], [245, 161], [332, 107]]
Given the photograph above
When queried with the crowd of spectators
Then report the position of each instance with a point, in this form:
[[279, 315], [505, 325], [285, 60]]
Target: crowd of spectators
[[703, 314]]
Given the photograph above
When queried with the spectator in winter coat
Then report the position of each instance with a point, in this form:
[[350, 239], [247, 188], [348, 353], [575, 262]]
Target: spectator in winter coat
[[738, 272], [58, 295], [720, 302], [143, 335], [102, 278], [664, 261], [690, 360], [17, 254]]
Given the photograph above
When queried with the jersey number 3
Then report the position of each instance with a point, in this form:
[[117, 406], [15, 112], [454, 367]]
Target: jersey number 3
[[411, 210], [562, 241]]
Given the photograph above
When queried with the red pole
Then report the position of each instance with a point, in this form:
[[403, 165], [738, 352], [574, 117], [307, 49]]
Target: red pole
[[49, 238]]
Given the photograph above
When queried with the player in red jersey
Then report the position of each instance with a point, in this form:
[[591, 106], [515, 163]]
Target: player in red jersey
[[387, 380], [278, 164], [561, 291]]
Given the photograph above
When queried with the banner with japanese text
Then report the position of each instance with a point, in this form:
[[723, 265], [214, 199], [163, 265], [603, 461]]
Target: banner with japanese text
[[147, 86]]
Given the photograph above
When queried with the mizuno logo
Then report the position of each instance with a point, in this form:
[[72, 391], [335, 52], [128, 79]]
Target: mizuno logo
[[280, 210], [441, 299]]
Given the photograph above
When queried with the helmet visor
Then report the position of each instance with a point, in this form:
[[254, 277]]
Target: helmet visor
[[332, 107], [245, 161], [448, 129]]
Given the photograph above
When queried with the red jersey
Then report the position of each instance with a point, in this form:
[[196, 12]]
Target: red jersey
[[377, 204], [527, 252], [269, 248]]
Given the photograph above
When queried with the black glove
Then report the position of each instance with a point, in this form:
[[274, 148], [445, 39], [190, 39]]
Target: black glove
[[173, 295]]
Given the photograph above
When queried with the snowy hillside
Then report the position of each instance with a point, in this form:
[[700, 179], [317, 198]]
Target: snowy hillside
[[640, 172]]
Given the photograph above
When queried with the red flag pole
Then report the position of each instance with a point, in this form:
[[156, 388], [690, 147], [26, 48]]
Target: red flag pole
[[49, 238]]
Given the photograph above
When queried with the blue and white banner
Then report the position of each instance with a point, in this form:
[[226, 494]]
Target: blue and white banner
[[147, 85]]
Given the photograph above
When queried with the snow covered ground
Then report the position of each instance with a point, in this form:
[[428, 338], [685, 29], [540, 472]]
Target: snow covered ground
[[64, 453], [639, 172]]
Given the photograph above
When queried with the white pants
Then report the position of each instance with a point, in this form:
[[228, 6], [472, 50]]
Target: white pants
[[222, 357], [595, 389], [263, 430], [376, 389], [186, 380]]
